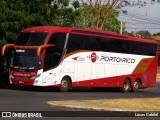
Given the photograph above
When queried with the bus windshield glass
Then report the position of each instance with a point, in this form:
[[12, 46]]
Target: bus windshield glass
[[25, 60], [31, 38]]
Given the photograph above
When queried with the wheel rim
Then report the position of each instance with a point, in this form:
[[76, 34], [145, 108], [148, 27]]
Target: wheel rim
[[136, 84], [64, 84], [126, 86]]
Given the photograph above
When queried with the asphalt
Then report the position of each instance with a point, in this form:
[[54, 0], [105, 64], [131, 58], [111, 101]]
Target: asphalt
[[77, 104]]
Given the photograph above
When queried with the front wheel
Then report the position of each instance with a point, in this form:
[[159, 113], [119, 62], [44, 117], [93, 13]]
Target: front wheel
[[65, 85], [136, 86], [126, 85]]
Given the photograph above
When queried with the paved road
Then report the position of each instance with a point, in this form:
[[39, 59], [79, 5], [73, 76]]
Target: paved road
[[26, 99], [20, 98]]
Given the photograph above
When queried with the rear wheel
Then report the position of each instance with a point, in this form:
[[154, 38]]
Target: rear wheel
[[136, 86], [65, 85], [126, 85]]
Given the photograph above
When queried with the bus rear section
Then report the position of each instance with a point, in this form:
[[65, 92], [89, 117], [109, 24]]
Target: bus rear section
[[72, 57]]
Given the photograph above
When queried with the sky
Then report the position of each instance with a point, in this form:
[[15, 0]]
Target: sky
[[144, 18]]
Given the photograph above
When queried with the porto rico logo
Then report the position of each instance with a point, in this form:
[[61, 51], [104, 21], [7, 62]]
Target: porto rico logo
[[93, 57]]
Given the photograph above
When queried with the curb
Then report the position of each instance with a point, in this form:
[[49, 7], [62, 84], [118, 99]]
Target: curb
[[76, 105]]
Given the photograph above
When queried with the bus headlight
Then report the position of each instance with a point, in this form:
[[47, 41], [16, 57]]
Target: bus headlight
[[11, 76], [36, 76]]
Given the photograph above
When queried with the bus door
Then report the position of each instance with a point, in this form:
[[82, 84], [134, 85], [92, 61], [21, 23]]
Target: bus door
[[47, 77], [48, 67], [51, 61]]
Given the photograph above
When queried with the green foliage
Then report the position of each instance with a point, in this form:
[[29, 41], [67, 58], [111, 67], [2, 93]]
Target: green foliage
[[156, 34], [112, 23], [76, 4], [92, 16], [19, 14]]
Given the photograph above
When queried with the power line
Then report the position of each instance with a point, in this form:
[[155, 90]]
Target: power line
[[139, 20], [128, 13], [135, 19], [140, 17]]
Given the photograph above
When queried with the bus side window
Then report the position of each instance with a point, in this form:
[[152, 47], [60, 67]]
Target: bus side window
[[58, 39], [75, 43], [50, 59], [106, 44], [92, 43], [54, 54]]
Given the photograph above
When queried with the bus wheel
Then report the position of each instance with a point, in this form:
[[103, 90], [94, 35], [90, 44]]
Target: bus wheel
[[136, 86], [126, 85], [65, 84]]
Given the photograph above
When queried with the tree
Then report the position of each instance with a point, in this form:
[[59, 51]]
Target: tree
[[156, 34], [65, 13], [112, 23], [19, 14], [144, 34], [97, 12]]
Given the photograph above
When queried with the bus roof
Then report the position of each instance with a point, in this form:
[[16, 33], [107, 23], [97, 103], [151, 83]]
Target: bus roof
[[102, 33]]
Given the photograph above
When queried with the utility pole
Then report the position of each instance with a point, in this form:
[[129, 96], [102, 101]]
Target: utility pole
[[158, 30], [146, 19], [134, 21], [121, 29]]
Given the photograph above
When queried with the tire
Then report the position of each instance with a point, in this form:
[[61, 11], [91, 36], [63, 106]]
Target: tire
[[126, 85], [136, 86], [65, 85]]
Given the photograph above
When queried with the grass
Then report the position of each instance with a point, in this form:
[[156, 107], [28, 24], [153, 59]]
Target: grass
[[144, 104], [158, 77]]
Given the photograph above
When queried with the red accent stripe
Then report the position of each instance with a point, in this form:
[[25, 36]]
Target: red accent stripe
[[22, 82]]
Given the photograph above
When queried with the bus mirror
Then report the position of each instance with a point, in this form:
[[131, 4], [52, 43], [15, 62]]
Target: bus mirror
[[40, 48], [5, 47]]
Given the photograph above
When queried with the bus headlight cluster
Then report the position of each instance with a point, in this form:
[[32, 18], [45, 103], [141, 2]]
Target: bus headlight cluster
[[11, 76], [36, 76]]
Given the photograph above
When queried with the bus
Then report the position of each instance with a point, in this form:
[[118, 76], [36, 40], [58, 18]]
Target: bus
[[67, 58]]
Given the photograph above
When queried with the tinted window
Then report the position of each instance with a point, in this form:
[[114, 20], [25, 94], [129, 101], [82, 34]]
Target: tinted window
[[54, 54], [92, 43], [143, 48], [25, 59], [49, 59], [108, 45], [75, 42], [31, 39], [128, 47], [23, 38], [58, 39], [84, 42]]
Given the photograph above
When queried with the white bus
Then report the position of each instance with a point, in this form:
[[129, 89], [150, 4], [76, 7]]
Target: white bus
[[73, 57]]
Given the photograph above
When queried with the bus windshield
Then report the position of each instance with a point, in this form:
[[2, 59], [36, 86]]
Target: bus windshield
[[25, 60], [31, 38]]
